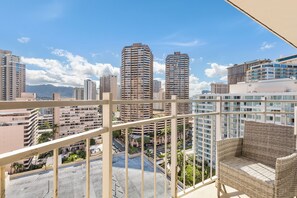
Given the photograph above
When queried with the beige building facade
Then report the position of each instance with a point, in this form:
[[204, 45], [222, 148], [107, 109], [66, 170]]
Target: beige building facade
[[237, 72], [219, 88], [137, 83], [72, 120], [109, 84], [177, 81], [18, 129]]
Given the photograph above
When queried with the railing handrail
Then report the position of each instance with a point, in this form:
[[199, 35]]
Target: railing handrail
[[6, 105], [16, 155]]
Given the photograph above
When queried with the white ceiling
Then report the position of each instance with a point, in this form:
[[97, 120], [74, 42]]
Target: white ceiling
[[279, 16]]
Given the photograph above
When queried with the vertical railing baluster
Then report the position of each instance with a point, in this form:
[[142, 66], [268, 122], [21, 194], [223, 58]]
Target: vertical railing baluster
[[295, 123], [218, 125], [265, 108], [165, 166], [184, 154], [155, 160], [142, 161], [55, 172], [107, 147], [211, 145], [203, 149], [194, 150], [88, 168], [126, 163], [2, 181], [174, 147]]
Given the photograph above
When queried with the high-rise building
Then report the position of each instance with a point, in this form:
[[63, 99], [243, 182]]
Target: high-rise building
[[237, 72], [159, 96], [13, 76], [78, 93], [232, 125], [75, 119], [288, 60], [177, 80], [18, 128], [137, 83], [156, 86], [269, 71], [89, 90], [109, 84], [219, 88]]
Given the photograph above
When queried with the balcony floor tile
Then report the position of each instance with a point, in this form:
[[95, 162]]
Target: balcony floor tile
[[210, 191]]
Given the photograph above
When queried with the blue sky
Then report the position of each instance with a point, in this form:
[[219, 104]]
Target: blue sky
[[64, 41]]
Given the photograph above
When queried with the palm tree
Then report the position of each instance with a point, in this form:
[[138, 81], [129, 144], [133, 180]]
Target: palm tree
[[55, 132]]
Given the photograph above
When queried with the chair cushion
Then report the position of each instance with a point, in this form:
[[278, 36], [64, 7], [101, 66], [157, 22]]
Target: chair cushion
[[252, 168], [247, 175]]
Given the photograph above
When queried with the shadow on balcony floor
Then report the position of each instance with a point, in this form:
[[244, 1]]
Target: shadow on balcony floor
[[72, 180], [210, 191]]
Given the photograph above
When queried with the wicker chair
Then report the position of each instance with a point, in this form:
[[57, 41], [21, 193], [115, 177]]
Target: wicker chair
[[262, 164]]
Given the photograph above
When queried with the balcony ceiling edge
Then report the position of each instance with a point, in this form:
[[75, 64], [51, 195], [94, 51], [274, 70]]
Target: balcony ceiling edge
[[279, 17]]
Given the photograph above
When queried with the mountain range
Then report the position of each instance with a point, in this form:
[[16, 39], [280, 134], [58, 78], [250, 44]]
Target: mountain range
[[46, 91]]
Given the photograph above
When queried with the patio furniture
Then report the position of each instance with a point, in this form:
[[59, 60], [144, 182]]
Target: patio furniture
[[262, 164]]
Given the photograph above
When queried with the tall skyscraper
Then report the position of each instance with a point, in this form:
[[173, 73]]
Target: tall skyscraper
[[78, 93], [109, 84], [13, 76], [237, 72], [89, 90], [177, 81], [137, 82], [156, 86]]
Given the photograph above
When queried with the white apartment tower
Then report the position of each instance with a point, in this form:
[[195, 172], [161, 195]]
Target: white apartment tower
[[89, 90], [232, 125], [13, 76], [137, 82]]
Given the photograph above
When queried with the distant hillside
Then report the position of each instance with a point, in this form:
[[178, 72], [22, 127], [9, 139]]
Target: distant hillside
[[46, 91]]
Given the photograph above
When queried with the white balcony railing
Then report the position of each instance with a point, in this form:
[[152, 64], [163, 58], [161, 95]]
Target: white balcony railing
[[213, 119]]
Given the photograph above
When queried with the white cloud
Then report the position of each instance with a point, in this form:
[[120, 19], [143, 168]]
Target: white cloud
[[72, 71], [224, 78], [266, 46], [187, 44], [196, 86], [159, 68], [24, 40], [216, 70]]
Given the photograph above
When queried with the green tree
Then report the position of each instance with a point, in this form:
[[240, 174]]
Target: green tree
[[45, 137], [92, 141], [116, 134]]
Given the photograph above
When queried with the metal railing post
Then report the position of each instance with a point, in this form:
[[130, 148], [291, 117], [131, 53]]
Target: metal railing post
[[295, 123], [55, 170], [107, 148], [174, 147], [2, 181], [88, 168], [218, 125]]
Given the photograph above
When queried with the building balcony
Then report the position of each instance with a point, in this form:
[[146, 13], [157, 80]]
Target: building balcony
[[171, 169]]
